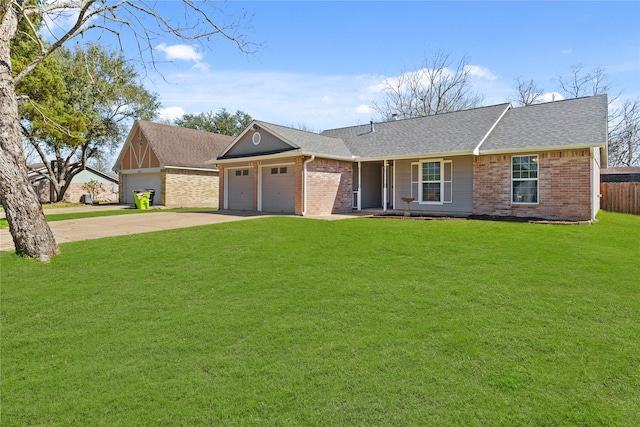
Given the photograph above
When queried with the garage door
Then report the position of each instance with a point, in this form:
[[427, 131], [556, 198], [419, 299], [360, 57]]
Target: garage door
[[278, 189], [141, 181], [240, 190]]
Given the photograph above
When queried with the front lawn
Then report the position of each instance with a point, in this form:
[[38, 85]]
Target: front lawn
[[293, 321]]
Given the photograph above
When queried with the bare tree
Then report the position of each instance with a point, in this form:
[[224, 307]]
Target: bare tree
[[583, 82], [31, 234], [527, 93], [624, 135], [438, 86]]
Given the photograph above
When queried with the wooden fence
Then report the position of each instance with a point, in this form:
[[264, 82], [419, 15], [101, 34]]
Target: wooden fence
[[623, 197]]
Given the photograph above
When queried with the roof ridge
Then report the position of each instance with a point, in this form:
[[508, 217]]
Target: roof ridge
[[420, 117], [558, 101]]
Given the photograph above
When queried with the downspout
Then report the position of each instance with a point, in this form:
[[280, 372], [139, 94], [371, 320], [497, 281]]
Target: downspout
[[304, 183]]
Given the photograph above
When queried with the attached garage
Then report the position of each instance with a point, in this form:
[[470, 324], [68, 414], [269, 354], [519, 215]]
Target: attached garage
[[240, 189], [278, 188], [141, 181]]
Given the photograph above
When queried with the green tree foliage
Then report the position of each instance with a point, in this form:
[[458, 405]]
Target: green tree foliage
[[86, 113], [21, 19], [221, 122]]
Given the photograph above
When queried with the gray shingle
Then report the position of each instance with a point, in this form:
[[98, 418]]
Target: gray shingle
[[183, 147], [309, 142], [573, 122], [457, 132]]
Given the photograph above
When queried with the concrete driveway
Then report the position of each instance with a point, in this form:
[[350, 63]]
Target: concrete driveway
[[119, 225]]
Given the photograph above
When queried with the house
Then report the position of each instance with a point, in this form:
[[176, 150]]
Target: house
[[106, 188], [539, 161], [171, 161], [620, 174]]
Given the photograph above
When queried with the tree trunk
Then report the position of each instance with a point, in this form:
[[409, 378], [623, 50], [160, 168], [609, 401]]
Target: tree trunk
[[31, 233]]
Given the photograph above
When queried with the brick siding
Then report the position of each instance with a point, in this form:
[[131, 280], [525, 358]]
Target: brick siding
[[564, 186], [329, 186], [189, 188]]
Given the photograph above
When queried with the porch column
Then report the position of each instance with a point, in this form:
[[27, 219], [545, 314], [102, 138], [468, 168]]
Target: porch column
[[359, 185], [384, 186]]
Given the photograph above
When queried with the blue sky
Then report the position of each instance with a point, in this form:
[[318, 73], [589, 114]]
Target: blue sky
[[322, 63]]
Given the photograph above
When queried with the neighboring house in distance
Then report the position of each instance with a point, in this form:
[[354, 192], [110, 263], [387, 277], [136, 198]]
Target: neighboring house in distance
[[621, 174], [538, 161], [620, 188], [106, 190], [170, 160]]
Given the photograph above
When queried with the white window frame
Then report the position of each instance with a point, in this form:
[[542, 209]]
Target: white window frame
[[446, 182], [536, 179]]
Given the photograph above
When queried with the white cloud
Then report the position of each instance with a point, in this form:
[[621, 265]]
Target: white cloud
[[364, 109], [171, 113], [320, 102], [480, 72], [551, 96], [566, 51], [179, 51]]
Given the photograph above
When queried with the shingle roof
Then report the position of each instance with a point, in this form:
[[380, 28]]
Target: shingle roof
[[577, 122], [573, 122], [308, 142], [455, 132], [183, 147]]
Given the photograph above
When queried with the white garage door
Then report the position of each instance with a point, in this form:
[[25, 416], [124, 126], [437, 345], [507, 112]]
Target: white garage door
[[278, 189], [240, 189], [141, 181]]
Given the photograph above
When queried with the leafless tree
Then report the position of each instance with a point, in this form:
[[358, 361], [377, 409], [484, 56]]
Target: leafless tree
[[439, 85], [202, 22], [624, 135], [527, 93], [583, 82]]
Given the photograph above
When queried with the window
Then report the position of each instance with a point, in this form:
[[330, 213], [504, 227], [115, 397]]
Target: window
[[435, 183], [275, 171], [415, 180], [240, 172], [431, 181], [524, 179], [245, 172]]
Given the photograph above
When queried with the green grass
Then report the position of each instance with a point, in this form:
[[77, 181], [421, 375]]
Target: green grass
[[291, 321]]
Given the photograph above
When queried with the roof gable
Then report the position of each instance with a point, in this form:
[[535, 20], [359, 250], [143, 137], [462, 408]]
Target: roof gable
[[578, 122], [38, 171], [176, 146], [278, 139]]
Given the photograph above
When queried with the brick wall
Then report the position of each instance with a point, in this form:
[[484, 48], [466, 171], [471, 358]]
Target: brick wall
[[189, 188], [564, 186], [329, 186]]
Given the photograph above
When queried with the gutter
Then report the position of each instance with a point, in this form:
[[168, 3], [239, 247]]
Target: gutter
[[539, 149], [284, 154], [304, 183]]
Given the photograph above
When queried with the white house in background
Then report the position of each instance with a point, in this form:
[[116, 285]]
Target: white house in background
[[106, 189]]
